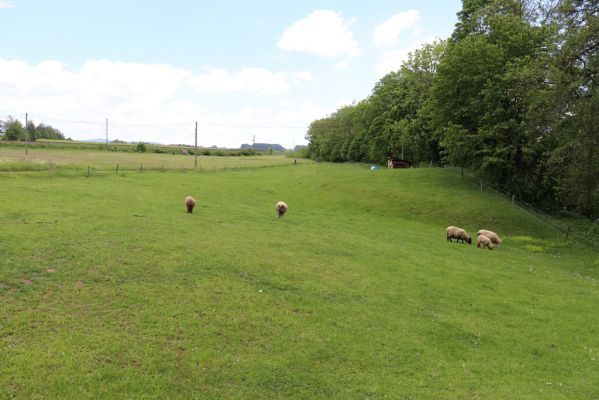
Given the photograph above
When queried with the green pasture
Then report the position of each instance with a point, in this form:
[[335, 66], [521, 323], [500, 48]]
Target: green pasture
[[69, 160], [109, 289]]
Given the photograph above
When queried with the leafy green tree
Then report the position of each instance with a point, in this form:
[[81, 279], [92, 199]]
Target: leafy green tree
[[141, 147], [480, 111], [574, 75], [48, 132], [13, 129]]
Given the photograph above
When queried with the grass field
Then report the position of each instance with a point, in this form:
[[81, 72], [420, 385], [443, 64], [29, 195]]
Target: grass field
[[108, 289], [69, 160]]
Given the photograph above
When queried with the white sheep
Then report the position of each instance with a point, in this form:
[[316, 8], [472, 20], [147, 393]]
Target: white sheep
[[482, 241], [491, 235], [281, 208], [453, 232]]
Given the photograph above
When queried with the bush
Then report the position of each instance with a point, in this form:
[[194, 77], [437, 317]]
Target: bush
[[141, 147]]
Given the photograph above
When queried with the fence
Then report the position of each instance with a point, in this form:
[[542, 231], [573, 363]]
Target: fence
[[566, 228], [53, 168]]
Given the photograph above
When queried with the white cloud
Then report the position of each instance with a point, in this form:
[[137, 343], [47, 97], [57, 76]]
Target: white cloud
[[387, 33], [340, 65], [6, 4], [392, 60], [323, 32], [257, 80], [138, 98]]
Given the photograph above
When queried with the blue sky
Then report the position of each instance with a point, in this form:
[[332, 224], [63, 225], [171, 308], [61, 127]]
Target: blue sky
[[263, 68]]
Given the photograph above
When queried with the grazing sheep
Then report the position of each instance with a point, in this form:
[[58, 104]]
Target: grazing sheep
[[482, 241], [458, 234], [281, 208], [190, 202], [491, 235]]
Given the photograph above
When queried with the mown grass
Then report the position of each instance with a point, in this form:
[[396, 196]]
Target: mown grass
[[69, 160], [108, 289]]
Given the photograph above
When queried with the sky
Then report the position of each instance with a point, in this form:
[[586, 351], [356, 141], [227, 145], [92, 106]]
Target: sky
[[262, 69]]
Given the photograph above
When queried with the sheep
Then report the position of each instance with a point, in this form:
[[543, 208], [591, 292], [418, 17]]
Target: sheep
[[482, 241], [281, 208], [458, 234], [190, 202], [491, 235]]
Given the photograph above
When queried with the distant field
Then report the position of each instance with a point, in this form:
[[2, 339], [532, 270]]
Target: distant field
[[109, 289], [13, 158]]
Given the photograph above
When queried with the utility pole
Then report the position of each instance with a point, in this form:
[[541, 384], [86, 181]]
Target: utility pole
[[26, 134], [106, 133], [195, 152]]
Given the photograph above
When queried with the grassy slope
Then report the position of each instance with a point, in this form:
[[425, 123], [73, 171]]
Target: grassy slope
[[354, 294]]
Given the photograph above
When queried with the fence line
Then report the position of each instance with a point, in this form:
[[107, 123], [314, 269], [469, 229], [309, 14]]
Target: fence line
[[564, 228], [87, 170]]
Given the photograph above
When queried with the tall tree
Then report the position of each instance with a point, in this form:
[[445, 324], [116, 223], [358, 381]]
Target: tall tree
[[575, 74], [13, 129]]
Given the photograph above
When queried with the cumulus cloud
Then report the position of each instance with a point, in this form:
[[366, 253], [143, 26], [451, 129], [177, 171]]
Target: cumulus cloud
[[257, 80], [387, 33], [6, 4], [323, 32], [152, 102], [392, 60]]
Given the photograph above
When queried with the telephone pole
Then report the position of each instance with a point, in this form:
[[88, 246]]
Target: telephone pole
[[195, 152], [26, 134]]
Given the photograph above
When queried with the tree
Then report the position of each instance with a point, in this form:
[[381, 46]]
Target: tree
[[141, 147], [481, 101], [575, 76], [30, 131], [13, 129]]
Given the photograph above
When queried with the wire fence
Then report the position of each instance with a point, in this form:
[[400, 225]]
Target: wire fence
[[57, 169], [565, 227]]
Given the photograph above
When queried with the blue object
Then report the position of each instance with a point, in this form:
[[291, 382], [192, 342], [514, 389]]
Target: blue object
[[373, 168]]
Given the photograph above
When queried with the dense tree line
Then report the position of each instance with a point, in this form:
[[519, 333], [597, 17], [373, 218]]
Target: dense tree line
[[512, 95], [13, 129]]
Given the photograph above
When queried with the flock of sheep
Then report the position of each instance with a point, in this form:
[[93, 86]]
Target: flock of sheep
[[484, 238], [281, 206]]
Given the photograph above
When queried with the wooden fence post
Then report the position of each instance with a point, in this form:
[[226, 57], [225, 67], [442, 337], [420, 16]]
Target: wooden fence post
[[513, 200], [568, 232], [88, 171], [117, 168], [481, 184]]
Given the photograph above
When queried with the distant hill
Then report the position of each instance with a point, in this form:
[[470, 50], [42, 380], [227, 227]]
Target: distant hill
[[263, 146], [93, 140], [299, 147]]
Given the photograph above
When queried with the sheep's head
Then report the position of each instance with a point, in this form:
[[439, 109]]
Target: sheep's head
[[469, 240]]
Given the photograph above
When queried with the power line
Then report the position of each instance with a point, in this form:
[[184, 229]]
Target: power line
[[125, 124]]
